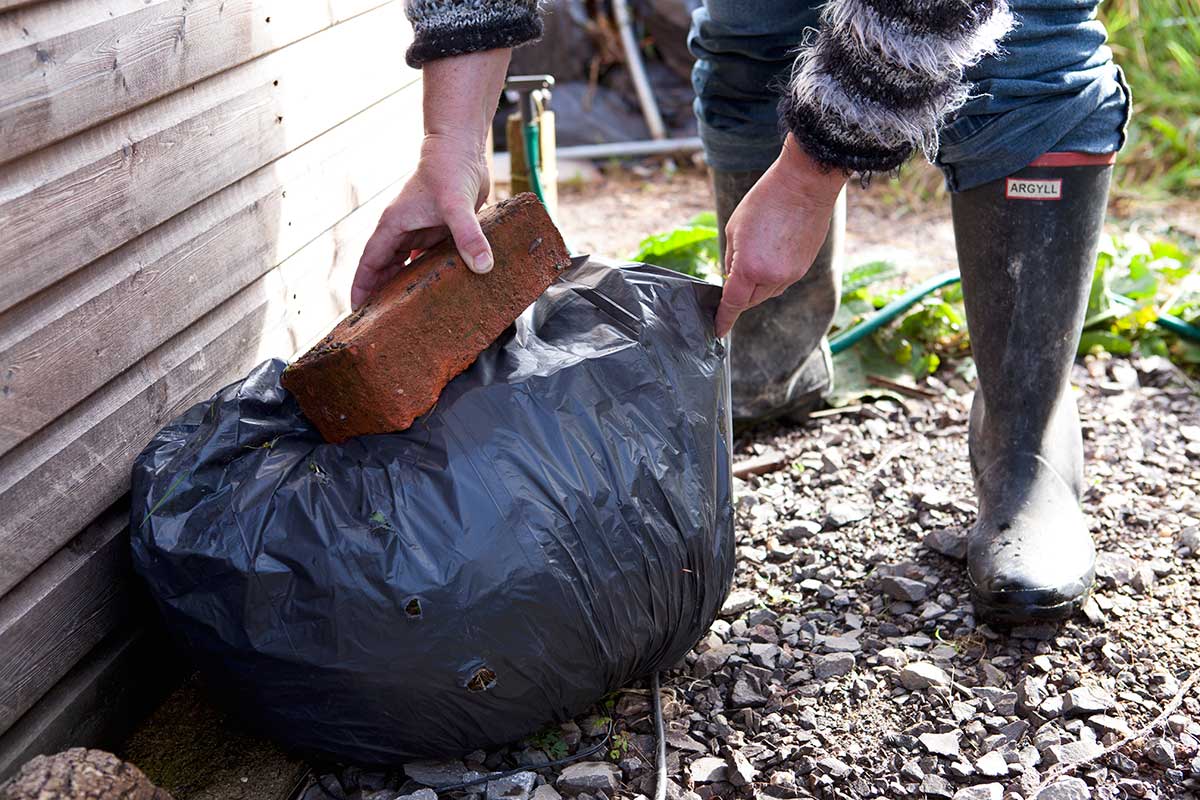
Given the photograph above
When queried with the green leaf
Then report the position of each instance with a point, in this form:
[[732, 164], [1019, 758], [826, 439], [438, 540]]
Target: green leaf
[[1105, 340], [691, 249], [868, 274], [1140, 282], [851, 368]]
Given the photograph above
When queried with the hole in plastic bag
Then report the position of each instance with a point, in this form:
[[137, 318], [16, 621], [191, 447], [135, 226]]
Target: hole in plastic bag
[[482, 680], [413, 608]]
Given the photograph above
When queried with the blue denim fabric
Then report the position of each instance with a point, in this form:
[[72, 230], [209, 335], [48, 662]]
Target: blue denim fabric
[[1054, 88], [744, 54]]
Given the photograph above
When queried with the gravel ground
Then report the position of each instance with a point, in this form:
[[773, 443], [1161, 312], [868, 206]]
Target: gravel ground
[[848, 662]]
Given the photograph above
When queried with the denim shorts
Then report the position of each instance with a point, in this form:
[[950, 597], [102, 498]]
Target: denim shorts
[[1053, 88]]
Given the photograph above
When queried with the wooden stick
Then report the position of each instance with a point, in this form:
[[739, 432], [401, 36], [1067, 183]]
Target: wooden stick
[[903, 388], [759, 465]]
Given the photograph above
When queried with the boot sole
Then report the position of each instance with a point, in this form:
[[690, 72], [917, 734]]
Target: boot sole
[[1026, 613]]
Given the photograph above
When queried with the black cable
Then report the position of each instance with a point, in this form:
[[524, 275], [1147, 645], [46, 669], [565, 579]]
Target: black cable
[[660, 747]]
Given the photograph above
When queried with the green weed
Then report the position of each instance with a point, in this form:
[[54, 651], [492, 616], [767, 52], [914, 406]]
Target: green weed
[[619, 745], [551, 742], [691, 249], [1156, 42]]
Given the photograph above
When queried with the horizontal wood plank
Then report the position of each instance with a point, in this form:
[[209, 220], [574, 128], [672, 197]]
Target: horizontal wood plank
[[79, 465], [63, 610], [69, 204], [99, 702], [70, 64], [87, 330], [6, 5]]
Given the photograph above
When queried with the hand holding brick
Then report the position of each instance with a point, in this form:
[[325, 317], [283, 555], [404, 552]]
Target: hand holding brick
[[386, 364]]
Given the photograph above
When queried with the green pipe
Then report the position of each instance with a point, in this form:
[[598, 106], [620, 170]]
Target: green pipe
[[852, 336], [532, 134], [1172, 323]]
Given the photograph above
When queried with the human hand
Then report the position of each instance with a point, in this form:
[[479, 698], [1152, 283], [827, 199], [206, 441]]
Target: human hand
[[776, 231], [439, 200], [451, 180]]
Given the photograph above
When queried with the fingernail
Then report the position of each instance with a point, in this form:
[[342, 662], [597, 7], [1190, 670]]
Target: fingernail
[[483, 263]]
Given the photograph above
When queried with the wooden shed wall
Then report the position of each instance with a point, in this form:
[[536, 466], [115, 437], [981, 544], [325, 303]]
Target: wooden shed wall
[[185, 187]]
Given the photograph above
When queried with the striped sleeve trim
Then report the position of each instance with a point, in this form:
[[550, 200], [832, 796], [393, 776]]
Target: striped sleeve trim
[[883, 75], [446, 28]]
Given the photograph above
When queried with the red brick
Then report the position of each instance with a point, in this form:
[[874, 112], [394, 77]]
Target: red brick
[[386, 364]]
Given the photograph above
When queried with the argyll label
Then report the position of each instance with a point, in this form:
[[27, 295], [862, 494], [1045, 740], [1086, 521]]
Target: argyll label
[[1033, 189]]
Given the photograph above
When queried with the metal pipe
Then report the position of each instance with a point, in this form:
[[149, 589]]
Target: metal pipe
[[637, 71], [643, 147]]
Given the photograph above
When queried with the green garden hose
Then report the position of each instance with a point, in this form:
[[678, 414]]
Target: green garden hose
[[532, 134], [852, 336]]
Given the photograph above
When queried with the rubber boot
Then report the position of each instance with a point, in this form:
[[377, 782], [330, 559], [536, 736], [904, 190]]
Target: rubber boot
[[1026, 249], [781, 365]]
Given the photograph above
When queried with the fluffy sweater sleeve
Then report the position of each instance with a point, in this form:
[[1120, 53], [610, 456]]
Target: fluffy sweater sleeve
[[454, 27], [882, 75]]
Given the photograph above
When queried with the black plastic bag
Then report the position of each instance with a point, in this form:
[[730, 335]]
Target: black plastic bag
[[559, 525]]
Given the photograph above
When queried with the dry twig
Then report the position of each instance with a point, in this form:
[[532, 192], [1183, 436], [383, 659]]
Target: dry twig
[[1060, 770]]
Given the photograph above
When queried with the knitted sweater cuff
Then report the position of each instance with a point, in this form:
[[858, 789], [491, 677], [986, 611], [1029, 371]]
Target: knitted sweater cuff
[[436, 37], [882, 77]]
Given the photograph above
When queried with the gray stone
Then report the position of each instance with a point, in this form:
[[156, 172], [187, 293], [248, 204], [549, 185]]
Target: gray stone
[[512, 787], [744, 695], [984, 791], [1072, 752], [1065, 789], [840, 514], [841, 644], [419, 794], [682, 741], [922, 675], [1161, 752], [1014, 730], [1190, 538], [1031, 693], [1004, 701], [436, 773], [1084, 701], [1144, 579], [904, 589], [834, 767], [992, 765], [712, 660], [936, 786], [1115, 569], [764, 655], [892, 657], [940, 744], [741, 772], [1052, 706], [911, 771], [949, 543], [1091, 610], [833, 665], [591, 777], [708, 769], [739, 601], [544, 792]]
